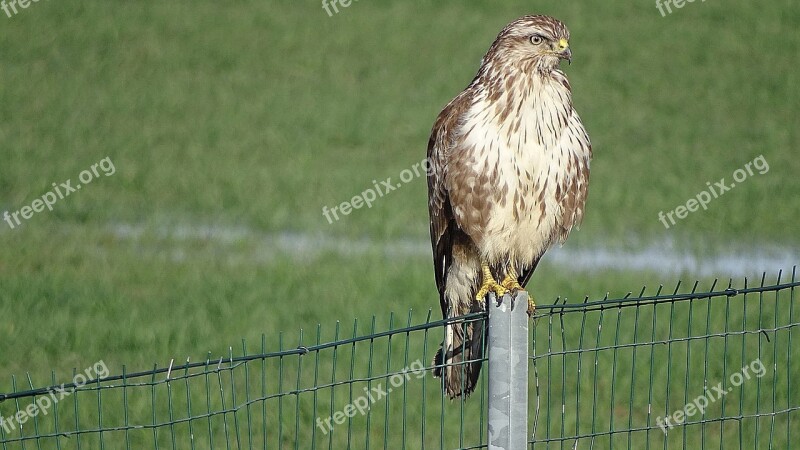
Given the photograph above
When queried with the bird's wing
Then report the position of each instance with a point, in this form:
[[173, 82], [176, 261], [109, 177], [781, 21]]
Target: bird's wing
[[574, 196], [442, 221]]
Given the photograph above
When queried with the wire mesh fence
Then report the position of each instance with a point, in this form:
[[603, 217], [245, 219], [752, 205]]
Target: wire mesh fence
[[682, 369], [689, 370]]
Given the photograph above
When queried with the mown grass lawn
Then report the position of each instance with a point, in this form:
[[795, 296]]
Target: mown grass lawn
[[254, 116]]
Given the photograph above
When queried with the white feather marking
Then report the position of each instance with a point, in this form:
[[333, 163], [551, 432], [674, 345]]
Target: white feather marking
[[546, 157]]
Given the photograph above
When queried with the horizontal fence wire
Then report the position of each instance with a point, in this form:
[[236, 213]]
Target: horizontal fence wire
[[686, 369]]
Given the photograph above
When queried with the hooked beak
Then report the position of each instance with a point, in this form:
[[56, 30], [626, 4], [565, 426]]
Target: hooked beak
[[566, 54], [564, 51]]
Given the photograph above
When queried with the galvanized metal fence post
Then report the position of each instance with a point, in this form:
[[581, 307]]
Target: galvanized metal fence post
[[508, 372]]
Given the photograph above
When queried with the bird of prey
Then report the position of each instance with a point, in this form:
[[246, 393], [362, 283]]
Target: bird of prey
[[508, 176]]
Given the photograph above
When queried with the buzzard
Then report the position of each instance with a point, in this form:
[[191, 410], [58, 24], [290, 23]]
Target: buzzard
[[508, 175]]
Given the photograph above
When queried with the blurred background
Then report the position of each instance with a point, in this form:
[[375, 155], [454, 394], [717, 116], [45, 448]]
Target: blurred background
[[231, 125]]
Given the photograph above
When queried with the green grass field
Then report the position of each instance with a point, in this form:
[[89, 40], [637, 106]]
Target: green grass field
[[231, 125]]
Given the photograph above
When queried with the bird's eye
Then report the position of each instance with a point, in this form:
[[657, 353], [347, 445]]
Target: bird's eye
[[536, 39]]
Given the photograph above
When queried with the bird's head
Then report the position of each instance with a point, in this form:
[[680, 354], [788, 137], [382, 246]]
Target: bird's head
[[538, 40]]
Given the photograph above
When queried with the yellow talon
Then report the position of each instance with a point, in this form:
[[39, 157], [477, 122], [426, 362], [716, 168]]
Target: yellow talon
[[510, 282], [489, 284], [531, 305]]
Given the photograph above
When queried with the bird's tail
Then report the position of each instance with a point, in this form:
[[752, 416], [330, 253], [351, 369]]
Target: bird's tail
[[459, 359]]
